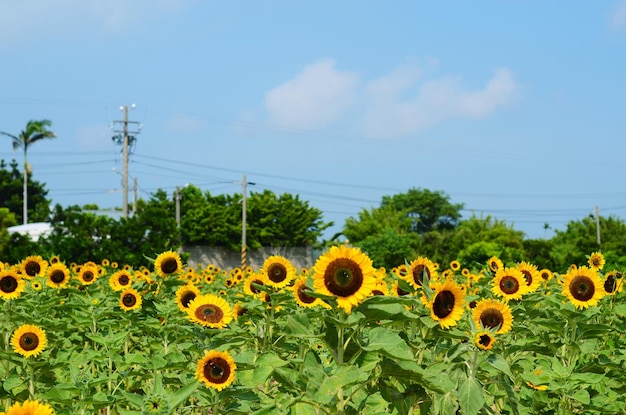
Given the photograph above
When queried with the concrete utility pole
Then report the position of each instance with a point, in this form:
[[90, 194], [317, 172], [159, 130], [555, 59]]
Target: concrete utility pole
[[125, 139], [244, 253]]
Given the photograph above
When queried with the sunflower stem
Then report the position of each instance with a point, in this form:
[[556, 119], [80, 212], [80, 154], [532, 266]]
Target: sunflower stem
[[31, 379]]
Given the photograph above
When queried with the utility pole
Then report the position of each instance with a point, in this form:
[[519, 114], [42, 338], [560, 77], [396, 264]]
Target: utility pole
[[598, 227], [244, 253], [126, 140]]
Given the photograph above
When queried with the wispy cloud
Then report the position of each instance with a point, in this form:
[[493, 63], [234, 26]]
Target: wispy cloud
[[28, 19], [397, 104], [617, 17], [317, 96]]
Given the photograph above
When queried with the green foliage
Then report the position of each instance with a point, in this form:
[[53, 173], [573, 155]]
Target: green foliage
[[12, 194]]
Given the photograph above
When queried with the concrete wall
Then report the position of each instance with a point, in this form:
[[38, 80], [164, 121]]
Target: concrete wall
[[225, 259]]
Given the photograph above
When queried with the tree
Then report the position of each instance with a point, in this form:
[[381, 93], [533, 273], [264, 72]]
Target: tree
[[35, 130], [11, 194]]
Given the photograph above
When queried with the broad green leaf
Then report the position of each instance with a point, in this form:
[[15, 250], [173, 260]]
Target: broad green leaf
[[12, 382], [182, 395], [500, 363], [471, 396], [581, 395], [343, 377], [388, 342], [265, 365], [298, 325]]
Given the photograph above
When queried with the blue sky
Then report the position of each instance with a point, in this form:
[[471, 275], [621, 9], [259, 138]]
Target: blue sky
[[515, 109]]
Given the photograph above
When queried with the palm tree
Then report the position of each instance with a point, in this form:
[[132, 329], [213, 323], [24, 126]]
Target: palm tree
[[35, 130]]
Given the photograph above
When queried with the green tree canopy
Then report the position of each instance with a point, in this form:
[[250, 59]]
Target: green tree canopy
[[11, 194]]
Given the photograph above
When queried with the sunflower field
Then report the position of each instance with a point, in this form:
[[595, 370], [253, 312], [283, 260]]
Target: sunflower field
[[341, 337]]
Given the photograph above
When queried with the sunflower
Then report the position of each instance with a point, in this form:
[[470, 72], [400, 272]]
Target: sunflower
[[455, 265], [120, 279], [29, 340], [545, 274], [168, 263], [495, 264], [583, 287], [57, 275], [596, 261], [381, 288], [105, 262], [279, 271], [185, 294], [29, 408], [612, 282], [36, 285], [11, 284], [303, 299], [418, 269], [484, 339], [509, 283], [130, 299], [531, 275], [346, 273], [493, 315], [33, 266], [155, 404], [210, 310], [447, 303], [401, 271], [396, 290], [216, 369], [249, 288], [88, 274]]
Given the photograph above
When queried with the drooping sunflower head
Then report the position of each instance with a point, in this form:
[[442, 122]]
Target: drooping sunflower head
[[29, 407], [484, 339], [185, 295], [130, 299], [531, 276], [168, 263], [596, 261], [613, 283], [495, 264], [279, 271], [29, 340], [33, 266], [493, 315], [88, 274], [346, 273], [12, 284], [121, 279], [210, 310], [583, 287], [420, 269], [57, 275], [447, 303], [509, 283], [216, 369]]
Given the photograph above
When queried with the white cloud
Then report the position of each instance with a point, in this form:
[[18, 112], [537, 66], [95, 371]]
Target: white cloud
[[26, 19], [184, 123], [317, 96], [403, 106], [94, 137], [617, 18]]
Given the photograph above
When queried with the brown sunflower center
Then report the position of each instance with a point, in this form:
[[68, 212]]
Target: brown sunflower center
[[303, 296], [210, 313], [484, 340], [88, 276], [123, 279], [129, 299], [609, 284], [29, 341], [343, 277], [494, 266], [169, 265], [582, 288], [419, 272], [253, 288], [8, 284], [32, 268], [57, 276], [509, 285], [277, 272], [491, 318], [443, 304], [217, 370], [528, 276], [545, 276], [187, 297], [377, 292]]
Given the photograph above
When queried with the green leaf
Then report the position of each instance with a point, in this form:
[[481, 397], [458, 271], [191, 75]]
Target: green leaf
[[375, 404], [388, 342], [298, 325], [581, 395], [12, 382], [471, 396], [265, 365], [182, 395], [344, 376], [500, 363]]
